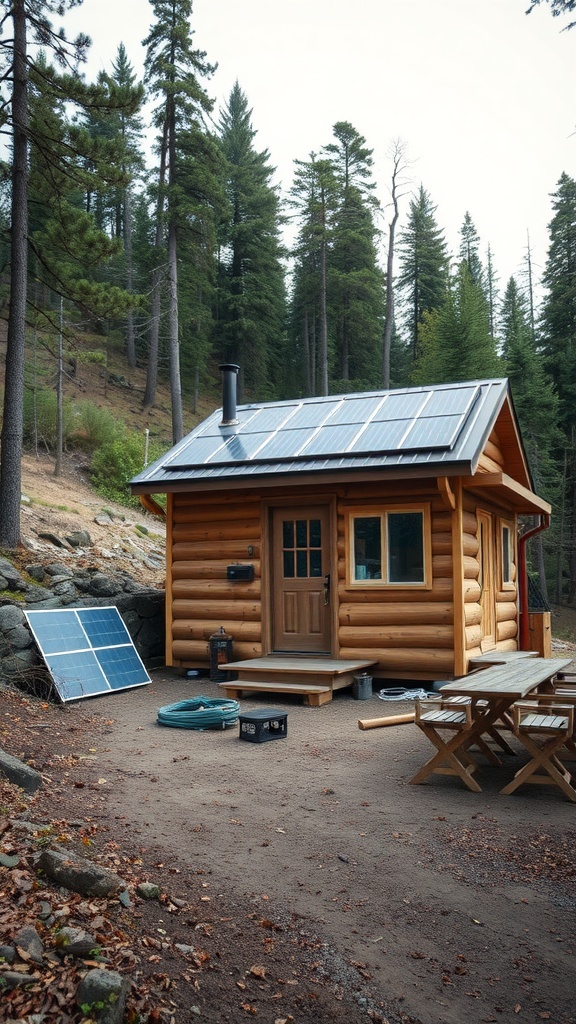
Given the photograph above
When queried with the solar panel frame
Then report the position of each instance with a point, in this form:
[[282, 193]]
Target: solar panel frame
[[88, 651]]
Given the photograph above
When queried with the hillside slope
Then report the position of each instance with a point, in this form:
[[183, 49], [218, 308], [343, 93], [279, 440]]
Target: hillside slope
[[122, 538]]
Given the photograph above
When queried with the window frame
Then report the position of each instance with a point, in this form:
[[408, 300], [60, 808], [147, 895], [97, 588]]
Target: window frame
[[378, 512]]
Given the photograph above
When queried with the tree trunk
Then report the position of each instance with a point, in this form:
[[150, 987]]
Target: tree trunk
[[175, 382], [156, 287], [127, 232], [323, 324], [59, 410], [398, 158], [11, 457]]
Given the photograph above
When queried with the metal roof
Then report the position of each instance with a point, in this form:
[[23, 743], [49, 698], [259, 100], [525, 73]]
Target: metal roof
[[439, 428]]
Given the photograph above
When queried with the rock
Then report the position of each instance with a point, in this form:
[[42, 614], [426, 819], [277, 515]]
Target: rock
[[148, 891], [79, 874], [9, 860], [74, 942], [36, 572], [7, 954], [27, 939], [19, 638], [56, 569], [14, 979], [79, 539], [44, 911], [107, 987], [54, 539], [10, 617], [11, 575], [19, 773]]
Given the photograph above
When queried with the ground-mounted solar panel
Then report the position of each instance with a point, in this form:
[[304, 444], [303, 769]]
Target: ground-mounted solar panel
[[88, 651]]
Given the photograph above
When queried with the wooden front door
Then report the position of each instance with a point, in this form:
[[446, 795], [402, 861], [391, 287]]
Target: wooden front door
[[300, 580], [487, 580]]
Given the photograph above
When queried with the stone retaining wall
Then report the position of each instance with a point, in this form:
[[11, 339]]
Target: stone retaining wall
[[55, 585]]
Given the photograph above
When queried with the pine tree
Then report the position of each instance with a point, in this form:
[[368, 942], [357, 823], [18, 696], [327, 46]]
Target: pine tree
[[314, 196], [31, 20], [174, 72], [469, 250], [558, 346], [251, 294], [536, 405], [455, 339], [354, 280], [423, 264]]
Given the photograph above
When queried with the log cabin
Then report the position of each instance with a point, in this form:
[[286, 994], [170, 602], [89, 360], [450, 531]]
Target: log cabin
[[326, 535]]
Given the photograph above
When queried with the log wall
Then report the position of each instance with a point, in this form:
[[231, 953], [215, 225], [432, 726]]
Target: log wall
[[206, 536]]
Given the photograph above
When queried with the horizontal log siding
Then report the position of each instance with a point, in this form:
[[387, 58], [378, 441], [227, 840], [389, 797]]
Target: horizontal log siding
[[206, 538], [410, 633]]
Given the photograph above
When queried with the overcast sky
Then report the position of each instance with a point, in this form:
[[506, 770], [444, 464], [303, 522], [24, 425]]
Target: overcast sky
[[482, 96]]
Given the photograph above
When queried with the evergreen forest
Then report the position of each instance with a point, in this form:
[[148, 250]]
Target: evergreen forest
[[175, 251]]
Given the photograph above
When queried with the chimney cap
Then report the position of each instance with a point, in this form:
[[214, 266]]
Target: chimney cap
[[234, 367]]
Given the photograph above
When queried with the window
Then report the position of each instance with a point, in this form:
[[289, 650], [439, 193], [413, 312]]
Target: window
[[506, 556], [390, 548]]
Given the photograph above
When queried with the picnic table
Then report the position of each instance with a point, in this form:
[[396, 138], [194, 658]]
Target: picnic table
[[488, 696]]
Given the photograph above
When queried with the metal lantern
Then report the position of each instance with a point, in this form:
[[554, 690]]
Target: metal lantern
[[220, 647]]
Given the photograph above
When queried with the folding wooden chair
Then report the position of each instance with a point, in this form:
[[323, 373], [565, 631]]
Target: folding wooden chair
[[478, 707], [544, 727], [452, 757]]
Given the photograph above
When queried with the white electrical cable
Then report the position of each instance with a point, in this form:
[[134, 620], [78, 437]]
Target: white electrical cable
[[401, 693]]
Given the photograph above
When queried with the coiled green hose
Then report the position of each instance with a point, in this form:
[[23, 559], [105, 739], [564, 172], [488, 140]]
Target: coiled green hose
[[200, 713]]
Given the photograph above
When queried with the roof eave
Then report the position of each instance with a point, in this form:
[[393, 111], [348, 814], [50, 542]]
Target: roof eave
[[302, 478]]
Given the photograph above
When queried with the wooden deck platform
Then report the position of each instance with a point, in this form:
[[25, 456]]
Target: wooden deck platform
[[313, 678]]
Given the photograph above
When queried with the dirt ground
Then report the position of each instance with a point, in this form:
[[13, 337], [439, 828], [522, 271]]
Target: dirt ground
[[323, 885]]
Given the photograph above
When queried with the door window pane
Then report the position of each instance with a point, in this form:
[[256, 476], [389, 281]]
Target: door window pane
[[315, 533], [288, 533], [289, 565], [315, 563], [301, 533], [301, 564], [405, 547]]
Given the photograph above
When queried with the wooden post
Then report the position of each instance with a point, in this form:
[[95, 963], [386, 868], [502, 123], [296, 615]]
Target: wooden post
[[377, 723]]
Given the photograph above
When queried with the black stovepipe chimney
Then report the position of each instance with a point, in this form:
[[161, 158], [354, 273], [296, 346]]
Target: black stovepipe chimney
[[229, 375]]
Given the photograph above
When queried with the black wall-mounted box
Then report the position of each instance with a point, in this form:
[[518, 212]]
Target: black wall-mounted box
[[240, 573]]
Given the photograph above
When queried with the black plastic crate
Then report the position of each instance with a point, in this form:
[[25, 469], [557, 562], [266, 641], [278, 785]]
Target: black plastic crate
[[260, 726]]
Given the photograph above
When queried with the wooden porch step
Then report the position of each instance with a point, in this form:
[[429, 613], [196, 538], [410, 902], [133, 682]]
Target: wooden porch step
[[314, 695], [332, 672]]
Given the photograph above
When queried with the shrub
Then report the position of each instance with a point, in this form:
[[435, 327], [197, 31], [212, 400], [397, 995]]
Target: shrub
[[117, 461], [95, 427], [40, 418]]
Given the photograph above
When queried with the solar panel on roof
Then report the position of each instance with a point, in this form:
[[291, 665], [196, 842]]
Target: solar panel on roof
[[436, 432], [402, 406], [356, 410], [331, 439], [449, 402], [88, 651], [380, 437], [401, 421]]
